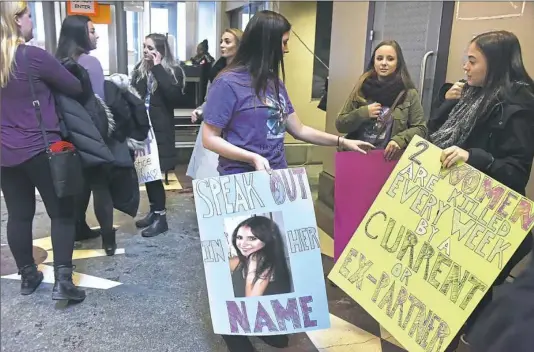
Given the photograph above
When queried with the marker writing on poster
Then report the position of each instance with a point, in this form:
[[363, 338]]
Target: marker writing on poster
[[406, 245], [301, 240], [400, 303], [480, 211], [212, 251], [273, 318], [284, 185], [215, 192]]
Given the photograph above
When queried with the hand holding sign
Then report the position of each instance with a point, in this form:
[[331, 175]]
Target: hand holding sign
[[431, 245]]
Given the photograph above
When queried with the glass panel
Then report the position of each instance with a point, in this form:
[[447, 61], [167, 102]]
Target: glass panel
[[134, 38], [159, 22], [168, 17], [181, 35], [36, 9], [102, 50], [58, 18], [207, 23]]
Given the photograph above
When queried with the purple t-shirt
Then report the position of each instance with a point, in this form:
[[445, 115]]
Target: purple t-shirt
[[95, 71], [246, 121], [21, 136]]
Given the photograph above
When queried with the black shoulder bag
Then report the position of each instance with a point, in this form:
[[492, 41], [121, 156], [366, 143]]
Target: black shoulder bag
[[65, 166]]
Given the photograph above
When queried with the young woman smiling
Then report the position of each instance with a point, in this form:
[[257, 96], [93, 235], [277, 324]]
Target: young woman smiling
[[384, 107]]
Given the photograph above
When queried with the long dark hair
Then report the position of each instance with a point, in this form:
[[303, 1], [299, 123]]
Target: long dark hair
[[271, 258], [505, 68], [73, 37], [401, 70], [260, 51]]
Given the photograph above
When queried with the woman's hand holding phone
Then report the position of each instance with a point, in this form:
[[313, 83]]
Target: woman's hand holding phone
[[156, 57]]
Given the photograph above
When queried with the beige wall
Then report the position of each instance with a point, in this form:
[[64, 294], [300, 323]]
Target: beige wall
[[299, 62], [347, 55], [464, 29]]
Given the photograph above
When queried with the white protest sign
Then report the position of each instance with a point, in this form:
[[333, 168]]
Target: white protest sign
[[262, 258], [147, 160]]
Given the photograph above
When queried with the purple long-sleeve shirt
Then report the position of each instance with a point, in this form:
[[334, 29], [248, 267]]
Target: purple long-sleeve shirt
[[95, 71], [21, 135]]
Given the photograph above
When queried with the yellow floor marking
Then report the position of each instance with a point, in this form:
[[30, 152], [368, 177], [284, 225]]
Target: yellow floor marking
[[174, 184], [84, 254], [344, 337]]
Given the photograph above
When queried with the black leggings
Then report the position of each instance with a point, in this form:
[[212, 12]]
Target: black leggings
[[239, 343], [97, 181], [18, 184], [156, 195]]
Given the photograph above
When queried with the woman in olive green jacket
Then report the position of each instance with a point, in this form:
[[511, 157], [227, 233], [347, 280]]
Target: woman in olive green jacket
[[386, 84]]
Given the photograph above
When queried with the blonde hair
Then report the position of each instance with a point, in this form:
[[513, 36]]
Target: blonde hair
[[237, 33], [161, 44], [11, 36]]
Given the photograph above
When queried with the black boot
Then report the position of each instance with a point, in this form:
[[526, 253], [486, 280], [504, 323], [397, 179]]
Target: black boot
[[278, 341], [64, 288], [84, 232], [158, 227], [147, 220], [108, 242], [31, 279]]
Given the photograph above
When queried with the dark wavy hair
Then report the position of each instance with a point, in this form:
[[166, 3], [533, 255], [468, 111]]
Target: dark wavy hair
[[271, 257], [73, 37], [260, 51]]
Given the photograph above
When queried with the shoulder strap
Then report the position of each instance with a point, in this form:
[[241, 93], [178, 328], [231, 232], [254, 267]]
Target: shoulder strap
[[389, 113], [35, 101], [397, 100]]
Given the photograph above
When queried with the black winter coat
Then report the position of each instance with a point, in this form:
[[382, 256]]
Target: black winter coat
[[167, 97], [85, 121], [507, 324], [501, 144]]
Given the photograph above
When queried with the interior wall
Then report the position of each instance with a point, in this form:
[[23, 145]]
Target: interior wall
[[347, 60], [465, 26], [299, 62]]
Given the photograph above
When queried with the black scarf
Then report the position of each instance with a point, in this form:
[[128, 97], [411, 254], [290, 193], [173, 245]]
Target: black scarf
[[385, 91]]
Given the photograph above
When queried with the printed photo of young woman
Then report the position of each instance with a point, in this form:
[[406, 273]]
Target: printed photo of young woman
[[259, 259]]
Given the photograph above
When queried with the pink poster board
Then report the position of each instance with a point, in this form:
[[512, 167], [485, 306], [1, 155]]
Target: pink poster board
[[359, 179]]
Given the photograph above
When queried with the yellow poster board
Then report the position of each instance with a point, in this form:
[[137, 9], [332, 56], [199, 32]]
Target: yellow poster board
[[430, 247]]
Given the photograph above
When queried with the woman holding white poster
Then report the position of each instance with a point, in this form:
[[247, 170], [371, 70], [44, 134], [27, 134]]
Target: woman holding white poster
[[488, 122], [160, 82], [248, 111]]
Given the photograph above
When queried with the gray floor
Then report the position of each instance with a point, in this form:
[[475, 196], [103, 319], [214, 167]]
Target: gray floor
[[161, 305]]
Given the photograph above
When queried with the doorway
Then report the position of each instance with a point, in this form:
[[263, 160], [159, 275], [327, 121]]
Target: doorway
[[423, 30]]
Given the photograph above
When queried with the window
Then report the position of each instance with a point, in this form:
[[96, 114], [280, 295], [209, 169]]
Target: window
[[323, 32], [207, 24], [134, 38], [239, 18], [102, 51], [36, 9], [168, 17]]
